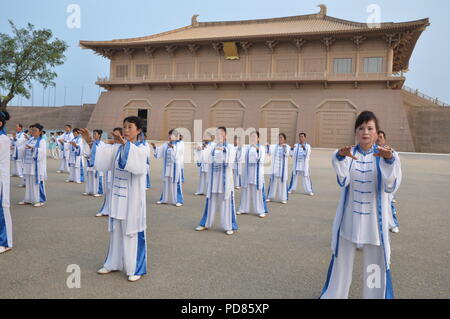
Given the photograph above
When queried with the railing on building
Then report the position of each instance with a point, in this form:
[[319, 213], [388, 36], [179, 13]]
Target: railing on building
[[424, 96]]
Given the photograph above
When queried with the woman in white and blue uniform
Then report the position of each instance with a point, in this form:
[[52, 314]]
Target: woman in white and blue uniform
[[253, 197], [201, 153], [64, 141], [171, 153], [76, 159], [278, 184], [127, 161], [94, 179], [6, 240], [35, 168], [301, 154], [366, 174]]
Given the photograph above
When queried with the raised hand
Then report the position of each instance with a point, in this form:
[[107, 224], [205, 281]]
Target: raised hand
[[346, 152], [118, 138], [384, 151], [86, 135], [153, 144]]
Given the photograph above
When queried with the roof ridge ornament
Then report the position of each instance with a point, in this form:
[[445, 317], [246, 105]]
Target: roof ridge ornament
[[323, 11], [194, 21]]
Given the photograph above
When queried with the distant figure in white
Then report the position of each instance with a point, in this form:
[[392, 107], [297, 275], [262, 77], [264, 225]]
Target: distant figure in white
[[301, 154], [35, 168], [94, 179], [278, 184], [76, 166], [220, 193], [64, 142]]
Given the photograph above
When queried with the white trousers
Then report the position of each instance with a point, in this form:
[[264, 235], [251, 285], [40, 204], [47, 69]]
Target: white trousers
[[306, 182], [6, 239], [34, 193], [94, 185], [236, 178], [253, 200], [374, 278], [19, 167], [226, 209], [172, 192], [277, 188], [127, 253], [104, 210], [74, 174], [202, 183]]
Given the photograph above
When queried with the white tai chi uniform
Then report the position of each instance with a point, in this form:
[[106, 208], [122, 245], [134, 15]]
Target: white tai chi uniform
[[362, 221], [237, 166], [301, 168], [66, 147], [181, 146], [35, 171], [171, 173], [76, 168], [278, 184], [6, 239], [220, 195], [127, 221], [253, 181], [19, 153], [203, 166], [94, 178]]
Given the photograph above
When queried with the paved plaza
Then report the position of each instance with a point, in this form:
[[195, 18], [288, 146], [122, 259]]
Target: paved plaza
[[284, 255]]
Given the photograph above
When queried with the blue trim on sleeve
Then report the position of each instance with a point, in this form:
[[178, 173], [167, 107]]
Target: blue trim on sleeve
[[389, 161], [124, 150], [339, 157]]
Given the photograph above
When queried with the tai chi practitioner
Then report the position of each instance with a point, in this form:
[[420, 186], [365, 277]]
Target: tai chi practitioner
[[127, 160], [201, 152], [252, 187], [237, 166], [393, 219], [35, 168], [105, 208], [301, 154], [171, 153], [20, 140], [220, 196], [76, 168], [367, 174], [64, 141], [278, 184], [6, 240], [94, 178], [182, 146]]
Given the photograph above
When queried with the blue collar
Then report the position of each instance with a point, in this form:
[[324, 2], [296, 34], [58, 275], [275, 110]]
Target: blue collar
[[370, 151]]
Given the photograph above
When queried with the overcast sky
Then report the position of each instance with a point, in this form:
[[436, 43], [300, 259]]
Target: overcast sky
[[112, 19]]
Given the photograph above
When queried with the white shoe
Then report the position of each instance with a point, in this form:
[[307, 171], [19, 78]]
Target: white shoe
[[67, 181], [178, 204], [290, 192], [200, 228], [284, 202], [394, 201], [268, 200], [103, 271], [4, 249], [22, 203], [262, 215], [238, 213], [229, 232], [85, 194], [134, 278], [78, 182], [196, 194], [238, 187], [311, 194], [58, 171], [159, 202], [21, 185], [98, 215], [38, 204], [395, 230], [98, 195]]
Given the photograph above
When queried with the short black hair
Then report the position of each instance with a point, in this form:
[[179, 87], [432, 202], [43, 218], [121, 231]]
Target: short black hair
[[223, 128], [100, 132], [38, 126], [284, 135], [76, 130], [300, 134], [382, 132], [68, 125], [365, 117], [4, 117], [19, 125], [256, 132], [135, 120]]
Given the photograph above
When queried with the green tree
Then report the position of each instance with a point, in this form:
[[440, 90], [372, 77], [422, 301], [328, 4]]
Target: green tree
[[28, 55]]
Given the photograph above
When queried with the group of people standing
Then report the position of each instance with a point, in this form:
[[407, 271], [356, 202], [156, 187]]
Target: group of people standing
[[119, 170]]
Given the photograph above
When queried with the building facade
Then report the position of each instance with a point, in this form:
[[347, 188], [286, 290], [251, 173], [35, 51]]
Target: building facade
[[311, 73]]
